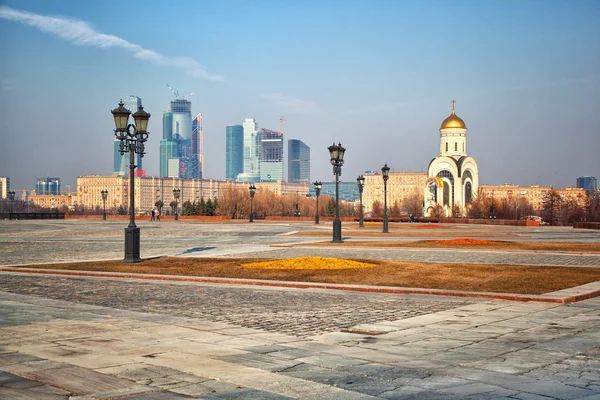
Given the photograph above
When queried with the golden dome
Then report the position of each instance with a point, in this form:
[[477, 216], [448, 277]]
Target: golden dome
[[453, 121]]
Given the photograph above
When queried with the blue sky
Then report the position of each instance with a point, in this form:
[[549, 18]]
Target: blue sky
[[377, 76]]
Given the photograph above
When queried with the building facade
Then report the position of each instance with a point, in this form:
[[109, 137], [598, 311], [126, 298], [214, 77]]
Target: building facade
[[453, 176], [534, 195], [298, 161], [251, 148], [197, 157], [234, 151], [47, 186], [121, 161], [589, 183], [270, 155], [400, 185], [148, 190], [4, 186]]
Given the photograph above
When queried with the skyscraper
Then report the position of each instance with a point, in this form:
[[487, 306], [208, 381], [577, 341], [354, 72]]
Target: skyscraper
[[197, 156], [47, 186], [234, 151], [181, 146], [270, 155], [298, 161], [250, 146], [121, 162], [588, 183]]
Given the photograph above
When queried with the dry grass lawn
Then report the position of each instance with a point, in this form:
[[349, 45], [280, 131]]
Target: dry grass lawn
[[471, 244], [469, 277]]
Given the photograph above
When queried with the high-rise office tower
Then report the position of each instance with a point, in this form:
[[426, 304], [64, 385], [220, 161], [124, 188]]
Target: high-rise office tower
[[588, 183], [45, 186], [271, 155], [121, 162], [197, 157], [168, 147], [234, 151], [181, 146], [298, 161], [250, 147]]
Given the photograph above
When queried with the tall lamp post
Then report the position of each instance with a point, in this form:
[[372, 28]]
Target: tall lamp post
[[385, 171], [11, 199], [104, 194], [252, 190], [132, 139], [336, 154], [361, 184], [318, 186], [176, 193]]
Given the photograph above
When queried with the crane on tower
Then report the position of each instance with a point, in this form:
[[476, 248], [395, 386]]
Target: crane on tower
[[176, 93], [281, 121]]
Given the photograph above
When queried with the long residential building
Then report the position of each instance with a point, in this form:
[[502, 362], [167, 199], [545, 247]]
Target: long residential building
[[400, 185], [535, 194], [148, 190]]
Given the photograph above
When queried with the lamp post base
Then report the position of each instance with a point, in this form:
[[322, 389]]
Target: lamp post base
[[132, 245], [385, 226], [337, 231]]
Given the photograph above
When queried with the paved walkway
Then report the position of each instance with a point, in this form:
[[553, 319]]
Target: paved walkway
[[89, 337]]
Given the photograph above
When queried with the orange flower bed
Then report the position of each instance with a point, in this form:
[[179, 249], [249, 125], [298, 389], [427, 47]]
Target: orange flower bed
[[465, 241], [308, 263]]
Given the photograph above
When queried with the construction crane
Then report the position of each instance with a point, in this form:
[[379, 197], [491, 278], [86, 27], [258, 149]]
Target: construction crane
[[281, 121], [176, 93], [185, 96]]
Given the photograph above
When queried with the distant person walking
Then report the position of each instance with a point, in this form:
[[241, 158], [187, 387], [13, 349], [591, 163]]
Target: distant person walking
[[153, 214], [158, 214]]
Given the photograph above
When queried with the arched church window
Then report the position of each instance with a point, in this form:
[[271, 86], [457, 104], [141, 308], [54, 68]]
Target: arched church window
[[446, 146], [455, 146], [468, 193], [448, 189]]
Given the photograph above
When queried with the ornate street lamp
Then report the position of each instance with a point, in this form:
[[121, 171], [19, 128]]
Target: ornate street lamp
[[176, 194], [336, 154], [252, 190], [11, 199], [361, 184], [385, 171], [318, 186], [132, 139], [104, 194]]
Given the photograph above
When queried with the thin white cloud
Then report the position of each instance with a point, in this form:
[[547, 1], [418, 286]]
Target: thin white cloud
[[81, 33], [291, 104]]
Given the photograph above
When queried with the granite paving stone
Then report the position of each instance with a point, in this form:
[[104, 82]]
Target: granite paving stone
[[153, 340]]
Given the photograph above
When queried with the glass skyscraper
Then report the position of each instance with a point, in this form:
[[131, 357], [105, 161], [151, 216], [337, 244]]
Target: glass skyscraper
[[181, 146], [588, 183], [47, 186], [250, 146], [121, 162], [298, 161], [234, 151], [197, 156], [270, 155]]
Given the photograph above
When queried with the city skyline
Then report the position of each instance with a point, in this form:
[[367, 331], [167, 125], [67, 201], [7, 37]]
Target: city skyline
[[376, 76]]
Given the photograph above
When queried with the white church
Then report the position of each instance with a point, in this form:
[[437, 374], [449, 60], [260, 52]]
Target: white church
[[453, 176]]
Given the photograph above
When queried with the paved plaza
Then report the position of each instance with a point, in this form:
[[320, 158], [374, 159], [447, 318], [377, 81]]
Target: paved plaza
[[64, 337]]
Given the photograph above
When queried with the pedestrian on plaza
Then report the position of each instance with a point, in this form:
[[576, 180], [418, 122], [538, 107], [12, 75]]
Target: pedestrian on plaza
[[158, 214], [153, 213]]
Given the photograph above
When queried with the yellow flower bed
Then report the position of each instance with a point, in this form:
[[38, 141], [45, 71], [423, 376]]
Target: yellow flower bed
[[308, 263]]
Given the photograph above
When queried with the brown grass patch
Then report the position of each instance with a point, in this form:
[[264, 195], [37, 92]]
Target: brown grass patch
[[308, 263], [469, 277], [474, 244], [413, 233]]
